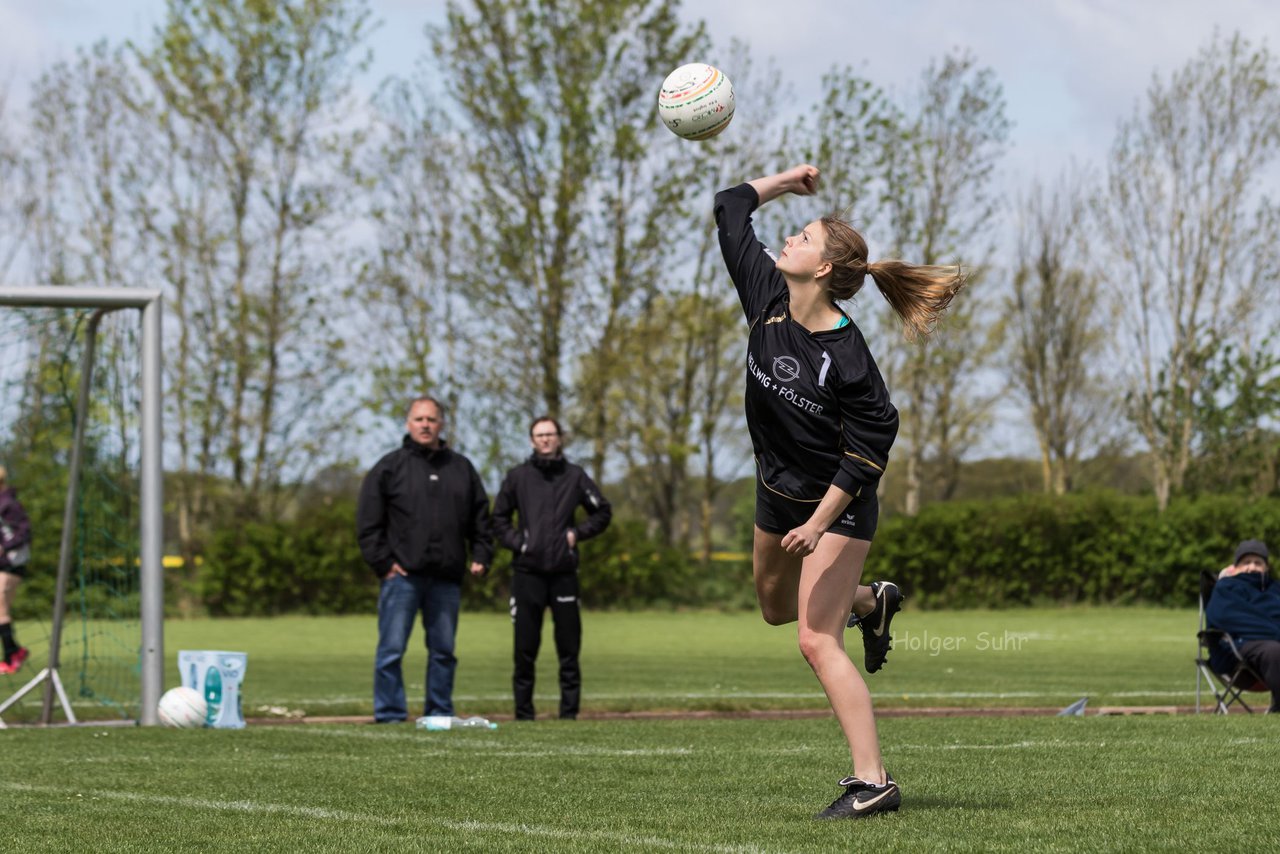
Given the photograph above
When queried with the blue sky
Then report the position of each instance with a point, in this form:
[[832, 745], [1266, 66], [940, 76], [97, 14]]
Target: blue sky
[[1071, 68]]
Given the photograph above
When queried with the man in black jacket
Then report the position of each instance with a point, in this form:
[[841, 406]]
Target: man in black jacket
[[420, 507], [546, 490]]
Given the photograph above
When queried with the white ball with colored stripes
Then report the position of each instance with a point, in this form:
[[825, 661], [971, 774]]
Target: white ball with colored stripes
[[696, 101], [183, 708]]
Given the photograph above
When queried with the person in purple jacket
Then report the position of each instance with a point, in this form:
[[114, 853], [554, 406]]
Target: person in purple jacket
[[15, 549], [1246, 604]]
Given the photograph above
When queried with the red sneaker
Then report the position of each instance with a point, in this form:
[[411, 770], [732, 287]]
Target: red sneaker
[[15, 661], [5, 669]]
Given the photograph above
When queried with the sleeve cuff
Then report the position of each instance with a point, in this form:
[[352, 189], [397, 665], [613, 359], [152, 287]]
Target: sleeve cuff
[[746, 191], [850, 482]]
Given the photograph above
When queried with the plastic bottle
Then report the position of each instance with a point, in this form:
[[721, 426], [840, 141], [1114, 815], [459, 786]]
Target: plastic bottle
[[213, 693], [435, 723]]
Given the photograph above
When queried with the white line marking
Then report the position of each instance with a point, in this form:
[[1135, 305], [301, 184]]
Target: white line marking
[[468, 825], [492, 747], [1013, 745], [202, 803]]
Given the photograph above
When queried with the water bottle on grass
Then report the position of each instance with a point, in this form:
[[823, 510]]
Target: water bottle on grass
[[435, 723]]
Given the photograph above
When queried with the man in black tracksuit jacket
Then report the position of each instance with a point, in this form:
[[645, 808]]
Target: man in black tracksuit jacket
[[420, 508], [545, 491]]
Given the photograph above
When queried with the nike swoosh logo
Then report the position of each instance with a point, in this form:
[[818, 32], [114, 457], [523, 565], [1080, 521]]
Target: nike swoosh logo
[[859, 806], [884, 615]]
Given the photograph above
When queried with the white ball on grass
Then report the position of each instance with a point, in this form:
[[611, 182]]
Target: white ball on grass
[[183, 708]]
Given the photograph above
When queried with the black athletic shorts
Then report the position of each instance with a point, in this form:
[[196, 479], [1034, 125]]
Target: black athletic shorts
[[778, 514]]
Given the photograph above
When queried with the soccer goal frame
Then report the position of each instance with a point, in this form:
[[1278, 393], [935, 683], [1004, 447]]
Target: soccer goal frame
[[151, 485]]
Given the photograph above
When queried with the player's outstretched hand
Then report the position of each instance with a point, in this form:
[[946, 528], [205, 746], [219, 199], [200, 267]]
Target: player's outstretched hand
[[803, 179]]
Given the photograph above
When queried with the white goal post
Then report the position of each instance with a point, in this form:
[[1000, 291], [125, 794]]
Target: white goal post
[[151, 482]]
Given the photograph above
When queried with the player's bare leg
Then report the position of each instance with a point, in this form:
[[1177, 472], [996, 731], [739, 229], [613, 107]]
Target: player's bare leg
[[777, 577]]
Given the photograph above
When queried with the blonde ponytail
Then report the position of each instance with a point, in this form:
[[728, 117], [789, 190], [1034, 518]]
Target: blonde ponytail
[[918, 293]]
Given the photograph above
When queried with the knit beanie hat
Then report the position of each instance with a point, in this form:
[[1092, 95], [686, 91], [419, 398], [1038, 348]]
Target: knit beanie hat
[[1253, 547]]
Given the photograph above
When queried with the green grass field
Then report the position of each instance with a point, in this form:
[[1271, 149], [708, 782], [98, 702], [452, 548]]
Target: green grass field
[[714, 661], [1105, 783], [687, 661], [969, 784]]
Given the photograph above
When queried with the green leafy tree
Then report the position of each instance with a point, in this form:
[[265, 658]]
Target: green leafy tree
[[1057, 334], [12, 197], [939, 204], [1237, 447], [408, 292], [688, 372], [855, 133], [674, 401], [253, 101], [1192, 236], [562, 198], [83, 172]]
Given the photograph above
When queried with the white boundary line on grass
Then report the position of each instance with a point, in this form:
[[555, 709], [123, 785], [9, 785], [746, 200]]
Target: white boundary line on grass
[[469, 825], [494, 748], [500, 749], [1012, 745]]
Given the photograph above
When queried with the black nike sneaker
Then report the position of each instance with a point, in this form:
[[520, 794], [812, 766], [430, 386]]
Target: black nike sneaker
[[876, 641], [862, 799]]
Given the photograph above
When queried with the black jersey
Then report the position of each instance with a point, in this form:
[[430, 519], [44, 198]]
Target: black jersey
[[817, 408]]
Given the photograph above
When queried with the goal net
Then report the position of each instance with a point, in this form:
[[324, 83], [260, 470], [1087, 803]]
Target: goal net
[[102, 656]]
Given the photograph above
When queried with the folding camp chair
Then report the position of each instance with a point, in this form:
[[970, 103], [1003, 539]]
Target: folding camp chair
[[1219, 664]]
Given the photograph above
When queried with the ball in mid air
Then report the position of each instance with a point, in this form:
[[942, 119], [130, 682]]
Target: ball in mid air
[[696, 101]]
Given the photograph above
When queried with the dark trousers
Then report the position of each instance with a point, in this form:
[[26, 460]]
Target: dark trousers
[[1264, 657], [531, 594]]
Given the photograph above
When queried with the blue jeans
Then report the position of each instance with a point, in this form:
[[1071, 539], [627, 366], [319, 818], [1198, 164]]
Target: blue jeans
[[399, 602]]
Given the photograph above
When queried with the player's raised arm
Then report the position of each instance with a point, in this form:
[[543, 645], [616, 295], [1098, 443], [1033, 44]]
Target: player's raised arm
[[800, 180]]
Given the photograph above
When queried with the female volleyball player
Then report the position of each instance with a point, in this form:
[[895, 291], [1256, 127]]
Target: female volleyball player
[[821, 425]]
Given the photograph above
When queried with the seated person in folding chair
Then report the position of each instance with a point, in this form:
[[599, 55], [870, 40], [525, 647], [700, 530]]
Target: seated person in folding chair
[[1246, 604]]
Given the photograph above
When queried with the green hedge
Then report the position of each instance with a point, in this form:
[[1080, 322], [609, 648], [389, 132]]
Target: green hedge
[[626, 568], [1092, 548], [313, 566], [308, 566]]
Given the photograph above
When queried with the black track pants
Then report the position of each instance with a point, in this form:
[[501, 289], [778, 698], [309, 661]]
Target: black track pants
[[1264, 657], [531, 594]]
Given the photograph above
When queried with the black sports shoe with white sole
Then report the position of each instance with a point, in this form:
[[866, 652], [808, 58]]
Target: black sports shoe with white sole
[[876, 640], [862, 799]]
